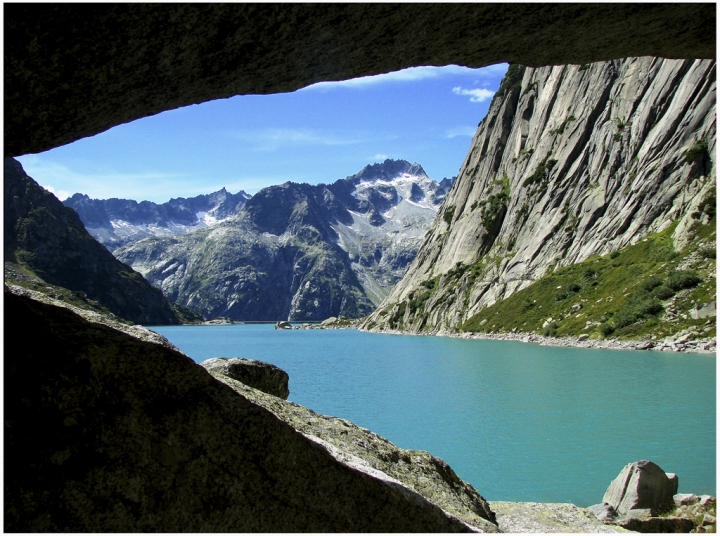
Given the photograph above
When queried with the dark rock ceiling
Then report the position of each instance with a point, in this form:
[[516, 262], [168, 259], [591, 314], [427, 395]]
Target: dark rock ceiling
[[73, 70]]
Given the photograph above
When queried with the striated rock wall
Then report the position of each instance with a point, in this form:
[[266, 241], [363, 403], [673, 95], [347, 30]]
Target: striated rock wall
[[570, 161], [107, 432]]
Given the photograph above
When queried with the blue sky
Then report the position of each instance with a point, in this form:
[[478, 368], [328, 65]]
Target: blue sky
[[320, 133]]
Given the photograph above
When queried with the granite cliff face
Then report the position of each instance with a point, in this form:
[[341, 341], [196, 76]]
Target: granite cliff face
[[116, 222], [570, 161], [299, 252], [48, 240]]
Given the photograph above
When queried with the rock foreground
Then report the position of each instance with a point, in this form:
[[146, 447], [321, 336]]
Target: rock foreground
[[105, 432], [98, 413], [520, 517], [426, 474]]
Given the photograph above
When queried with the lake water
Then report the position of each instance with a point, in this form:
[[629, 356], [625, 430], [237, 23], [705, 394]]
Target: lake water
[[520, 422]]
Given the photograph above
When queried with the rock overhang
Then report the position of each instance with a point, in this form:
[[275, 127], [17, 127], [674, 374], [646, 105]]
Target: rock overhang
[[72, 72]]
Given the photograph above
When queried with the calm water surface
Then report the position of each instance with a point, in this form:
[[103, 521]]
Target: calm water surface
[[520, 422]]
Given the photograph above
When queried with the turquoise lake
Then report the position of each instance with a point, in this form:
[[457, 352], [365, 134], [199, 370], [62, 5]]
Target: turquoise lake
[[520, 422]]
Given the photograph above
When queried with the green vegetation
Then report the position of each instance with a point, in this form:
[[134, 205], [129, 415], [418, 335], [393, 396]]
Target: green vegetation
[[540, 175], [620, 128], [561, 128], [698, 152], [584, 67], [495, 203], [449, 213], [532, 86], [512, 80], [625, 294]]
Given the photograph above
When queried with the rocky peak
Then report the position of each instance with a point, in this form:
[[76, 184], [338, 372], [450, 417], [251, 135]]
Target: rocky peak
[[387, 170], [48, 239], [313, 250]]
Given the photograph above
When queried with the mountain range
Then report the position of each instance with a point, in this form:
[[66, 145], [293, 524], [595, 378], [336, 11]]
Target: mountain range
[[292, 251], [116, 222]]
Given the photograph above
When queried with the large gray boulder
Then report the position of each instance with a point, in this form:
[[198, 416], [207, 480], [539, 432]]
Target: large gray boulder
[[262, 376], [642, 485]]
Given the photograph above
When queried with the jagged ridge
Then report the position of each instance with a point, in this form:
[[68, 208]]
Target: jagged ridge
[[116, 222]]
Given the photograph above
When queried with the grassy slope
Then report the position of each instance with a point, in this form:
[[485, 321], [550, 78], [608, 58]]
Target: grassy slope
[[619, 294]]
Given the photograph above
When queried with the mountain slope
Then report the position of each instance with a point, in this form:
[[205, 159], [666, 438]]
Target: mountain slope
[[47, 239], [571, 161], [116, 222], [297, 251]]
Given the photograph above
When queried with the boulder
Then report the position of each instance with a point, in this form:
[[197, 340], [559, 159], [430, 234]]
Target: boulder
[[583, 337], [328, 321], [682, 499], [257, 374], [641, 485], [704, 311], [283, 325], [604, 512]]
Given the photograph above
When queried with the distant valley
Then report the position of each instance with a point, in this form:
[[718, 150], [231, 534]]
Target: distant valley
[[292, 251]]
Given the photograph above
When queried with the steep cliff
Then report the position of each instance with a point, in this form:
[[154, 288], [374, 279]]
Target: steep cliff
[[45, 241], [570, 161], [297, 251], [116, 222]]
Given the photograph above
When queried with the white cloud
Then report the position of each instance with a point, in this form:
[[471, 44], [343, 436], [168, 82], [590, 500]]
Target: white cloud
[[476, 95], [411, 74], [379, 157], [460, 131], [271, 139], [62, 195]]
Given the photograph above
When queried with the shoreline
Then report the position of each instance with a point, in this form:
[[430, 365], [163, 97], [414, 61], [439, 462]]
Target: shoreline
[[678, 344]]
